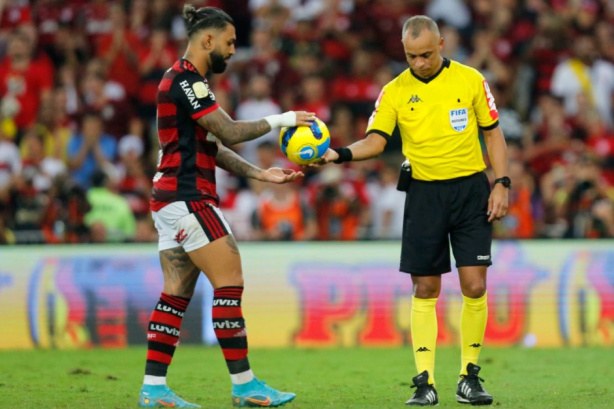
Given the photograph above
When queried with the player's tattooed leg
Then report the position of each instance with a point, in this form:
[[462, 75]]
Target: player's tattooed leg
[[180, 274]]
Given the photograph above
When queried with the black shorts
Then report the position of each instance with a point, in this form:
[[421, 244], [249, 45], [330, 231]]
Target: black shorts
[[434, 211]]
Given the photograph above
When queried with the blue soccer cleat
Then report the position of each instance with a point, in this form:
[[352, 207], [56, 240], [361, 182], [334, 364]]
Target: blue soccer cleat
[[161, 396], [256, 393]]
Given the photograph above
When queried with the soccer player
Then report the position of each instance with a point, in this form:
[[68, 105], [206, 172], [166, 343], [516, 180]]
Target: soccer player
[[438, 105], [193, 235]]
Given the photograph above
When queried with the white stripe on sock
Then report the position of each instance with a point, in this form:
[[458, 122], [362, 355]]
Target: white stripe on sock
[[154, 380], [241, 378]]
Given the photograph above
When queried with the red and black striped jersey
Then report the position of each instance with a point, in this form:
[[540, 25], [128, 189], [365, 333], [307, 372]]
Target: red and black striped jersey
[[186, 161]]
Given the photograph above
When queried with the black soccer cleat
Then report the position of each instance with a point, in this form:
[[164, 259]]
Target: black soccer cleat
[[470, 389], [425, 394]]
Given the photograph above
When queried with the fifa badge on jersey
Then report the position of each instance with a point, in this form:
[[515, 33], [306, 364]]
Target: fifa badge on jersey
[[459, 119], [200, 89]]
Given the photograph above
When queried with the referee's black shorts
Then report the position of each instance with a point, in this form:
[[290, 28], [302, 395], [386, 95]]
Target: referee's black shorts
[[434, 211]]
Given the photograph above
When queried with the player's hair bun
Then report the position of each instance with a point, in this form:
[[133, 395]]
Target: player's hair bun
[[190, 14], [204, 17]]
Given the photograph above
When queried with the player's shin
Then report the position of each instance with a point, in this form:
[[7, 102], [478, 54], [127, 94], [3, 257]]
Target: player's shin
[[229, 327], [163, 337]]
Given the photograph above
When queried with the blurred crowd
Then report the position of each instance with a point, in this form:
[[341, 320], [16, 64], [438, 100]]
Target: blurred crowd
[[78, 82]]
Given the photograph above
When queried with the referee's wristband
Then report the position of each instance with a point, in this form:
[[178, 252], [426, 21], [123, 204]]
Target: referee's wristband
[[345, 155]]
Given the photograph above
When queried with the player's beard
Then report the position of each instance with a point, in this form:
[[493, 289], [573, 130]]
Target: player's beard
[[218, 63]]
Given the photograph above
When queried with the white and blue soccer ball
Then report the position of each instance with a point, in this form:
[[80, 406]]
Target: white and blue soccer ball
[[305, 144]]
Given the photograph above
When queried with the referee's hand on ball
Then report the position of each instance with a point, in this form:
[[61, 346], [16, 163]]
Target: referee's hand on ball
[[279, 175], [329, 156]]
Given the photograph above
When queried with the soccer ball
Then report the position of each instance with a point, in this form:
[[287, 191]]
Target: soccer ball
[[304, 144]]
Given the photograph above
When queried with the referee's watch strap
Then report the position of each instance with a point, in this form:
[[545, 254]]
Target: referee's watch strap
[[345, 155]]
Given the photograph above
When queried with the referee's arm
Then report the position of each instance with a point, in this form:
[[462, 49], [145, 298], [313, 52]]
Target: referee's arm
[[497, 153], [369, 147]]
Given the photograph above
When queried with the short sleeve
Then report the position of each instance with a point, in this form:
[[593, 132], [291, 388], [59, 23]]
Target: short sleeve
[[484, 104], [384, 118], [192, 92]]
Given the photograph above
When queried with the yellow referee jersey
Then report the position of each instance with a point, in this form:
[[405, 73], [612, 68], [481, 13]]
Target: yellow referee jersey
[[438, 119]]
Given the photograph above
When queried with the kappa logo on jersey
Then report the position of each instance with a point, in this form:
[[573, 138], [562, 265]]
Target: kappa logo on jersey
[[181, 236], [414, 98], [166, 308], [225, 302], [459, 118], [423, 349], [189, 92], [490, 100]]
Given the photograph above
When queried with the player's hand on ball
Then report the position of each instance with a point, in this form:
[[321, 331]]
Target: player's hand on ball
[[304, 118], [279, 175]]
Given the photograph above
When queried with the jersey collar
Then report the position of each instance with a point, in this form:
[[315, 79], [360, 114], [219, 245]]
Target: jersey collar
[[188, 66], [444, 64]]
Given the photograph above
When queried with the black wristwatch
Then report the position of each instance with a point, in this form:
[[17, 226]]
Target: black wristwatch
[[505, 181]]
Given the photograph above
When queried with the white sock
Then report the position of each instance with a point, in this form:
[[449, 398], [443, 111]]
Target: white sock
[[241, 378], [154, 380]]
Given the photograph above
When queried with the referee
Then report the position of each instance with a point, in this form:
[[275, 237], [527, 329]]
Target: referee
[[438, 105]]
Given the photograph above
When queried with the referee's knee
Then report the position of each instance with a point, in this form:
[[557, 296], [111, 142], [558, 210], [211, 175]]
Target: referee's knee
[[426, 290], [474, 289]]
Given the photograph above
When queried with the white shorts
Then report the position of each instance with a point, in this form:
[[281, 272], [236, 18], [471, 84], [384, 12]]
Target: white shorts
[[190, 225]]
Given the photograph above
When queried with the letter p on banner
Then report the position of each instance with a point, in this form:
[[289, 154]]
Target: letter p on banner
[[329, 296]]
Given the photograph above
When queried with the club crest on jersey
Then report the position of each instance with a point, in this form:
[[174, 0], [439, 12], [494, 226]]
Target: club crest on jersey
[[200, 89], [459, 119], [189, 92]]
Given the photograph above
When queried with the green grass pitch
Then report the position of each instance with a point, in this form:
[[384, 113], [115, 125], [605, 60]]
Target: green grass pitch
[[323, 378]]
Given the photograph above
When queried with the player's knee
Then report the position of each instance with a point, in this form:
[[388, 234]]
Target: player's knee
[[236, 278], [228, 278]]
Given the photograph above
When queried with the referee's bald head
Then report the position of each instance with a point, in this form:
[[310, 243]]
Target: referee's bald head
[[416, 24]]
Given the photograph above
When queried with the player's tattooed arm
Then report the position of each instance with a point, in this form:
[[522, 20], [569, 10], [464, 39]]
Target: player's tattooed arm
[[180, 274], [233, 163], [232, 132]]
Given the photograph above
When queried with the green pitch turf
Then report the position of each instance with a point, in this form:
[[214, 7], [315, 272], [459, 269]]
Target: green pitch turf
[[329, 378]]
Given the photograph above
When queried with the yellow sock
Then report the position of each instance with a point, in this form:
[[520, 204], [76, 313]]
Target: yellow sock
[[472, 325], [424, 334]]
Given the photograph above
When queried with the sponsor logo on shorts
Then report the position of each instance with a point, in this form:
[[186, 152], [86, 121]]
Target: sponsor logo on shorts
[[487, 257]]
